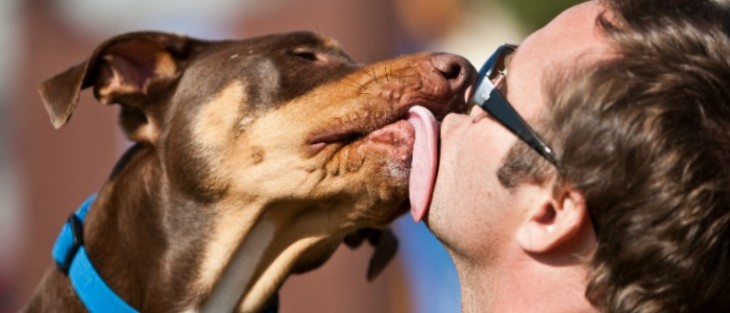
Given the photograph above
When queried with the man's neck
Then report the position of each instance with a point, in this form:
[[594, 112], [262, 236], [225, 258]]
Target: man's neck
[[527, 287]]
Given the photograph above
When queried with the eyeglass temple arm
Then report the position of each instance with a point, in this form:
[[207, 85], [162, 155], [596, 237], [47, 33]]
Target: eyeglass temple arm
[[510, 119]]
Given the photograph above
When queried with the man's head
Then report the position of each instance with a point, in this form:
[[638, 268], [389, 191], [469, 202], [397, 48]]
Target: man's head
[[646, 137], [632, 96]]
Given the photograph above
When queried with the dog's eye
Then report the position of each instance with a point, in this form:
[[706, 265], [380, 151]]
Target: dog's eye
[[305, 54]]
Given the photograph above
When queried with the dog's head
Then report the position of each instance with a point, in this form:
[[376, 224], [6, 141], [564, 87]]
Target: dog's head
[[287, 122]]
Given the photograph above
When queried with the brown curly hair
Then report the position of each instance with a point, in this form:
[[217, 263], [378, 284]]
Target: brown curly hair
[[646, 136]]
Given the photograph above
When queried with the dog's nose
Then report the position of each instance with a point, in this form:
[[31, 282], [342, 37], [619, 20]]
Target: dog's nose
[[455, 69]]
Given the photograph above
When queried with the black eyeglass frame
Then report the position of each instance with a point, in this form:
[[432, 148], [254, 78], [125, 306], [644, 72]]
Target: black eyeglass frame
[[488, 97]]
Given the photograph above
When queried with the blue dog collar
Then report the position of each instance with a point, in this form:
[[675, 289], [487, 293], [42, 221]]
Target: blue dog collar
[[71, 259]]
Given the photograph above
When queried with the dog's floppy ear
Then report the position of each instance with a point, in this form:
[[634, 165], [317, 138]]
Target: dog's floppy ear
[[124, 70]]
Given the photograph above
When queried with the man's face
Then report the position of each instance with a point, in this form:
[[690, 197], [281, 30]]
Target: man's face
[[471, 212]]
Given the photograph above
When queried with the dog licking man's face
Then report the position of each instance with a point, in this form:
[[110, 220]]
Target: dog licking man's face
[[295, 120], [278, 145]]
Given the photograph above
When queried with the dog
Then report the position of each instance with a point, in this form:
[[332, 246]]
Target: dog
[[251, 160]]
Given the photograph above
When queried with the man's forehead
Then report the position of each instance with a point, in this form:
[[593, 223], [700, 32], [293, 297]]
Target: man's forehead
[[571, 39]]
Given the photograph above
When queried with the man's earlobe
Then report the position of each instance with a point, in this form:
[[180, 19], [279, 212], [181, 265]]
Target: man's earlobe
[[554, 221]]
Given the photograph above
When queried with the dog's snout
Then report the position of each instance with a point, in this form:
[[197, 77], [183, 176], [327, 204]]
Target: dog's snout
[[455, 69]]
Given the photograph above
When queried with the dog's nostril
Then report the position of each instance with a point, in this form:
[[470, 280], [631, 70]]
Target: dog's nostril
[[453, 68], [451, 71]]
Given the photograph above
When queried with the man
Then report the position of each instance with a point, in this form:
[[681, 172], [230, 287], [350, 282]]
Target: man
[[619, 200]]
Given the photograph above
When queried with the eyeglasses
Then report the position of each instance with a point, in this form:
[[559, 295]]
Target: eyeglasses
[[488, 97]]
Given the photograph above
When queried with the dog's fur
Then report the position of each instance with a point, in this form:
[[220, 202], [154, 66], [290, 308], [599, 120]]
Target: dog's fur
[[252, 160]]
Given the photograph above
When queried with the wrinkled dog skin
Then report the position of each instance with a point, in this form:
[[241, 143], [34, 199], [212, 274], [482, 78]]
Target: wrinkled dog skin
[[253, 159]]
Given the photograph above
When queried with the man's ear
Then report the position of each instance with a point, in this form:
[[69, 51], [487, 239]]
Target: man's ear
[[554, 220], [122, 70]]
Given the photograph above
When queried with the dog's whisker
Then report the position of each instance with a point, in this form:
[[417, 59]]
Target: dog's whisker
[[360, 85], [372, 75]]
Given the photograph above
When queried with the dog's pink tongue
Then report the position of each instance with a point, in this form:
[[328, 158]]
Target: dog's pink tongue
[[423, 168]]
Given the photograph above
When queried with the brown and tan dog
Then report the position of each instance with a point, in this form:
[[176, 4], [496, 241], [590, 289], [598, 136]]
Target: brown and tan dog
[[253, 159]]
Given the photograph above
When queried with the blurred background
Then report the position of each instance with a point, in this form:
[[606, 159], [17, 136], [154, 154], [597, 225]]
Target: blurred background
[[45, 174]]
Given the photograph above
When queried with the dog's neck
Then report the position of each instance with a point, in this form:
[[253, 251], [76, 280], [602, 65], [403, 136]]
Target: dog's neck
[[161, 251], [260, 256]]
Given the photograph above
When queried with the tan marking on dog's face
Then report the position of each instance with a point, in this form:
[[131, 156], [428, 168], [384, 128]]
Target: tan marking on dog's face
[[283, 171], [198, 149], [217, 119]]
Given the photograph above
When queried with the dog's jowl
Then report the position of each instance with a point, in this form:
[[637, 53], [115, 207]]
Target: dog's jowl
[[252, 160]]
